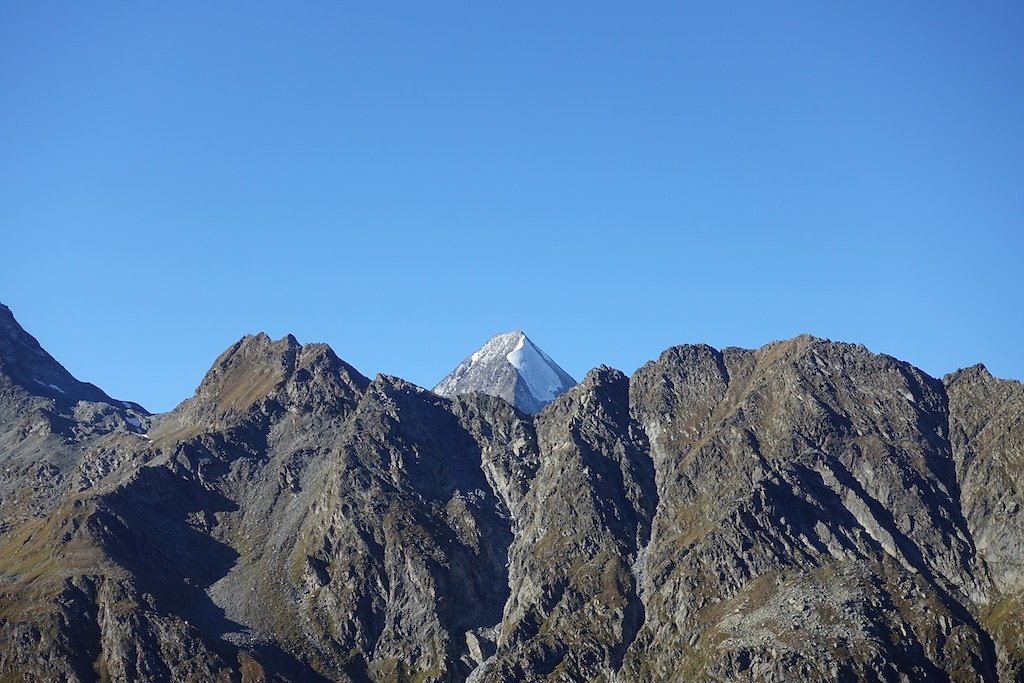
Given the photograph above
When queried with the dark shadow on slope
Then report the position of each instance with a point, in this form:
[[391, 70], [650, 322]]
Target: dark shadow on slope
[[428, 467], [911, 552], [803, 516], [618, 480], [627, 500], [157, 527]]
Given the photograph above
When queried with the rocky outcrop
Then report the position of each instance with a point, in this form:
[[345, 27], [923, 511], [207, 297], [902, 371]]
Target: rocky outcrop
[[804, 511], [987, 437], [573, 607]]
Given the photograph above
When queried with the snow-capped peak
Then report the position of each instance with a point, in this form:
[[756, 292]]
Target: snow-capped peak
[[511, 367]]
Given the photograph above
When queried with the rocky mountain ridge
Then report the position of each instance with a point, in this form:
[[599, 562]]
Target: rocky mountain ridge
[[804, 511]]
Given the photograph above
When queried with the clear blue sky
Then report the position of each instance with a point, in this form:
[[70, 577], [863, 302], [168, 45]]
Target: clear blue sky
[[402, 180]]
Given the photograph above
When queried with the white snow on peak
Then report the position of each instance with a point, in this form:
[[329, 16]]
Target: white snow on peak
[[509, 366], [534, 367], [47, 384], [497, 346]]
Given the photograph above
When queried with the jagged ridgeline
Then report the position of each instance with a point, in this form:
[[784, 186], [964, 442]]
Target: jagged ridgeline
[[804, 511]]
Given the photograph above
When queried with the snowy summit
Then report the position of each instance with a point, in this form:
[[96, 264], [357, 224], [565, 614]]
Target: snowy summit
[[512, 367]]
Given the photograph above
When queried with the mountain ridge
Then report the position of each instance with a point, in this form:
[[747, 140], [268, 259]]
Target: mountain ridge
[[804, 510]]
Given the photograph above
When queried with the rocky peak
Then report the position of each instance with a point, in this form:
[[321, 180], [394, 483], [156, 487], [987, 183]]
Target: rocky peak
[[975, 374], [257, 368], [512, 367], [250, 369]]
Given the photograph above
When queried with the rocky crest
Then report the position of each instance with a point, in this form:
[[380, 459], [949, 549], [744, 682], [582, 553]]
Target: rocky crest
[[804, 511]]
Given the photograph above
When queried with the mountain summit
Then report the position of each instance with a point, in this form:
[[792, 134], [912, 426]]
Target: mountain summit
[[512, 367]]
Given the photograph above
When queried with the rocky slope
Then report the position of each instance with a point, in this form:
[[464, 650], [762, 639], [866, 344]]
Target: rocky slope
[[804, 511]]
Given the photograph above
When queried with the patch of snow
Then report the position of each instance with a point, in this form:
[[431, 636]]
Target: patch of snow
[[535, 368], [126, 404], [133, 421], [52, 386]]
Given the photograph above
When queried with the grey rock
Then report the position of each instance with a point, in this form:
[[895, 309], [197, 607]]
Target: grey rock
[[804, 511]]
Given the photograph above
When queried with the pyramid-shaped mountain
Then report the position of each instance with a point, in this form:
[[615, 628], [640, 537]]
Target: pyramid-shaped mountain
[[512, 367]]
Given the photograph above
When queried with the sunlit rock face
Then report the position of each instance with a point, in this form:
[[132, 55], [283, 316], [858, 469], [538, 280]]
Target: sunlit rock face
[[804, 511]]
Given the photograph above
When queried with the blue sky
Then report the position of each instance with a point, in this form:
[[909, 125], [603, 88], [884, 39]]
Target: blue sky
[[402, 180]]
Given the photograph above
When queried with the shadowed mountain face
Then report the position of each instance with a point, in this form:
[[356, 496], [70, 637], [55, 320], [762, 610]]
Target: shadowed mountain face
[[804, 511], [26, 366]]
